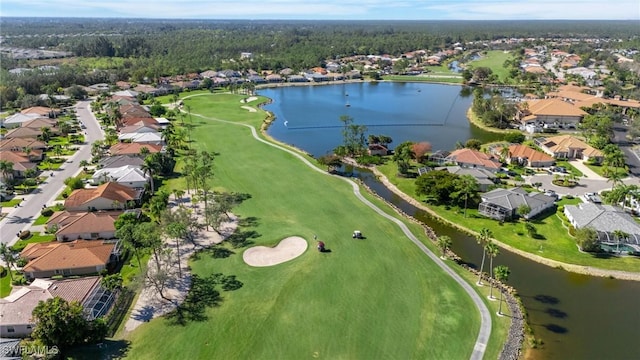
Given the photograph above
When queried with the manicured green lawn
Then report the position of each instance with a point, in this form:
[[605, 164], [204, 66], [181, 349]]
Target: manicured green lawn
[[494, 60], [41, 220], [5, 285], [554, 242], [11, 203], [599, 169], [374, 298], [36, 237]]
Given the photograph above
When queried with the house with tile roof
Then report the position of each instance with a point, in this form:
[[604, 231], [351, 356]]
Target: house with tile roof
[[16, 320], [486, 179], [128, 175], [138, 121], [549, 113], [524, 155], [21, 163], [569, 147], [474, 159], [142, 137], [39, 123], [16, 120], [19, 145], [119, 161], [23, 132], [72, 225], [133, 149], [502, 204], [605, 220], [78, 257], [108, 196], [41, 111]]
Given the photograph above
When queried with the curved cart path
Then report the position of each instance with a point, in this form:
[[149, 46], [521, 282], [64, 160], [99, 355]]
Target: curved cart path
[[485, 317]]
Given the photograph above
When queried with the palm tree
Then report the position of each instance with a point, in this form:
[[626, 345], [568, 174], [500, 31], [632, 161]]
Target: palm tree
[[444, 243], [7, 257], [493, 251], [483, 238], [6, 168], [45, 134], [505, 154], [149, 168], [502, 274], [615, 177], [619, 235], [84, 164], [467, 185], [144, 151], [27, 152]]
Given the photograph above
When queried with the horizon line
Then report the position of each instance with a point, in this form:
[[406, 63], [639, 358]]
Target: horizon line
[[297, 19]]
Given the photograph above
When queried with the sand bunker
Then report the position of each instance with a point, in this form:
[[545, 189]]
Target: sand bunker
[[249, 99], [287, 249], [249, 108]]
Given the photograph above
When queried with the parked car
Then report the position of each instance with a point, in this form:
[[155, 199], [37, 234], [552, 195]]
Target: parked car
[[552, 194], [593, 197]]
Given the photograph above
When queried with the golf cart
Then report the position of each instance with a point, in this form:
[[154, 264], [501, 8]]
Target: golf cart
[[357, 234]]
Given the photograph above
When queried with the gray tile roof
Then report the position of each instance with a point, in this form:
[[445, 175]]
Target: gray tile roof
[[481, 175], [513, 198], [603, 218]]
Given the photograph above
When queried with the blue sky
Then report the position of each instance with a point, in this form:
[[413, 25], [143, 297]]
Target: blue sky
[[329, 9]]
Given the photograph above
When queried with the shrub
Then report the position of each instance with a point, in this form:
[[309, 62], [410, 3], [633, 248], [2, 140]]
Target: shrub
[[21, 262], [24, 235], [19, 280], [3, 271], [47, 212], [65, 195]]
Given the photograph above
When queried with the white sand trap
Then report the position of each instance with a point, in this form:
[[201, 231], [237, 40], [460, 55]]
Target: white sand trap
[[249, 99], [248, 108], [287, 249]]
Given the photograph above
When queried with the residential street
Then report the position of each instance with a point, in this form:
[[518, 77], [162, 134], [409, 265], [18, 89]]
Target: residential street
[[22, 217], [631, 157]]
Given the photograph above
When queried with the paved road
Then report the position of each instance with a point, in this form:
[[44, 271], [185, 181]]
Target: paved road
[[631, 157], [21, 218], [485, 317]]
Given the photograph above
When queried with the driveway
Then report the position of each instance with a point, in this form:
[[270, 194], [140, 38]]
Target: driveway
[[22, 217], [584, 184]]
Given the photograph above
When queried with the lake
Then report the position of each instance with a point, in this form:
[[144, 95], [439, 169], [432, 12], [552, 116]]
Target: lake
[[308, 117]]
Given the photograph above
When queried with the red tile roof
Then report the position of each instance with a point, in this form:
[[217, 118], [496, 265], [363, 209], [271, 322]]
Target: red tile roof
[[133, 148], [474, 157], [70, 255], [83, 222], [111, 191], [525, 152]]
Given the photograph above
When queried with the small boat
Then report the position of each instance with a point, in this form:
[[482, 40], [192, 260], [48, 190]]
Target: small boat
[[347, 105]]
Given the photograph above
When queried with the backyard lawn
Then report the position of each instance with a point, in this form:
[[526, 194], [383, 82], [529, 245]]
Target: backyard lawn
[[380, 297], [553, 242]]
